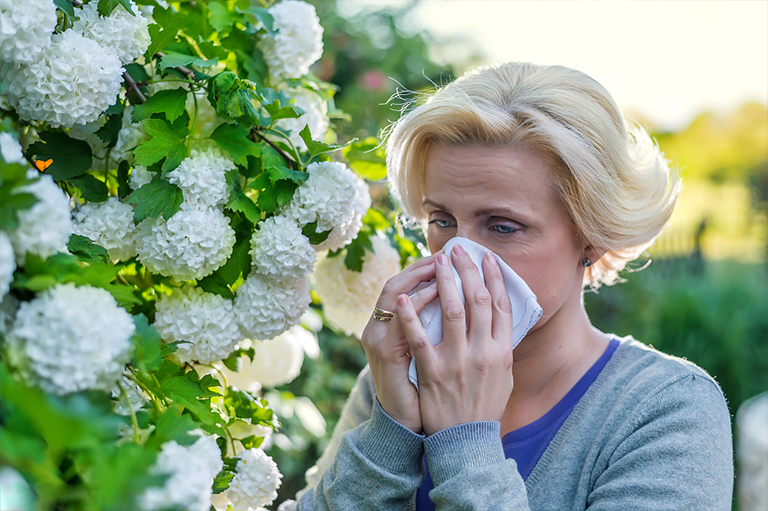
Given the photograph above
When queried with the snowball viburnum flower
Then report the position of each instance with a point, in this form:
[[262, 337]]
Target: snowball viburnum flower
[[279, 249], [122, 31], [202, 178], [276, 362], [266, 306], [349, 296], [315, 116], [139, 177], [297, 42], [255, 483], [7, 264], [325, 197], [10, 149], [191, 470], [109, 224], [205, 320], [25, 28], [71, 338], [191, 244], [345, 232], [72, 81], [45, 228]]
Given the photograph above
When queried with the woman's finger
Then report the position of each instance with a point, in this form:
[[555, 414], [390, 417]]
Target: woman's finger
[[406, 281], [476, 295], [417, 338], [452, 308], [501, 326]]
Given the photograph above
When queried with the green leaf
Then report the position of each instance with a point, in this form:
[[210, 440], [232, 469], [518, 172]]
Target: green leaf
[[66, 7], [186, 392], [91, 188], [263, 16], [110, 131], [156, 198], [222, 480], [232, 98], [173, 426], [221, 18], [212, 50], [148, 353], [214, 283], [356, 250], [123, 188], [173, 59], [316, 148], [315, 238], [367, 158], [165, 142], [164, 31], [106, 7], [10, 205], [171, 102], [234, 140], [86, 250], [71, 158], [239, 263], [239, 201]]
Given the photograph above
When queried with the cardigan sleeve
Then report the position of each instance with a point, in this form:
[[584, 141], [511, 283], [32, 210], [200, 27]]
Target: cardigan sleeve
[[372, 462]]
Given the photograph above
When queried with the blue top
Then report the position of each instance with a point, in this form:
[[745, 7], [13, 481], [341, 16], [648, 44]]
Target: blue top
[[526, 445]]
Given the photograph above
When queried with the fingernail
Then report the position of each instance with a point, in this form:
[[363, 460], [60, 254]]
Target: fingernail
[[442, 259], [458, 250], [492, 259]]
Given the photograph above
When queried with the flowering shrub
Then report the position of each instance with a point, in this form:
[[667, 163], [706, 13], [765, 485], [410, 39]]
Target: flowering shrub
[[168, 178]]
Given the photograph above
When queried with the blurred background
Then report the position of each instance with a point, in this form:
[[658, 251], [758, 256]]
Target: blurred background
[[694, 73]]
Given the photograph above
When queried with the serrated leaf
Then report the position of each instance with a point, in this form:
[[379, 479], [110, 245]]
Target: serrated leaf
[[367, 158], [106, 7], [109, 132], [239, 263], [212, 50], [315, 238], [232, 98], [221, 481], [239, 201], [221, 18], [314, 147], [170, 102], [263, 16], [86, 250], [173, 59], [154, 199], [147, 355], [71, 158], [165, 142], [10, 205], [215, 284], [91, 188], [173, 426], [186, 392], [356, 250], [234, 140]]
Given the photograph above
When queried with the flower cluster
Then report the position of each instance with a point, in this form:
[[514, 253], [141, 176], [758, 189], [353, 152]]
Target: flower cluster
[[277, 361], [191, 244], [10, 149], [279, 249], [45, 228], [206, 322], [297, 42], [202, 178], [350, 296], [191, 470], [7, 264], [335, 198], [25, 29], [108, 224], [72, 81], [315, 115], [139, 177], [266, 307], [255, 483], [125, 32], [71, 338]]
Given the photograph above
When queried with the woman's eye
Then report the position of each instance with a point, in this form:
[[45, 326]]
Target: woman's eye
[[503, 229], [443, 224]]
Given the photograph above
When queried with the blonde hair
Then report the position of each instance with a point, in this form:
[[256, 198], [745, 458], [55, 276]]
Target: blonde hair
[[617, 187]]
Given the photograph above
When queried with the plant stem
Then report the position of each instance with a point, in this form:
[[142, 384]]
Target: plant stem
[[134, 420], [287, 159], [133, 86]]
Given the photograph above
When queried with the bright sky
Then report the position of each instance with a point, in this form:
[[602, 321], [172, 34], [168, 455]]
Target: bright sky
[[667, 59]]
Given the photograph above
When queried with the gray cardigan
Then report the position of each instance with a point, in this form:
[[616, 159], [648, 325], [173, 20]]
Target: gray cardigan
[[652, 432]]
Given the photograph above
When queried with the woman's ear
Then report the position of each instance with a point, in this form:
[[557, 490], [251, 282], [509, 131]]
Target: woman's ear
[[591, 255]]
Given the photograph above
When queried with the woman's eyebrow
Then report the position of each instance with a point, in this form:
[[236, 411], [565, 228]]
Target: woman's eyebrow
[[428, 202]]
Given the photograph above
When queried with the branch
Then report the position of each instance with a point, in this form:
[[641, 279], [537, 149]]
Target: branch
[[272, 144], [133, 86]]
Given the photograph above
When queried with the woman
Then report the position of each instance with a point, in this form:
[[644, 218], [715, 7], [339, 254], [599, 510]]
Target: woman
[[538, 165]]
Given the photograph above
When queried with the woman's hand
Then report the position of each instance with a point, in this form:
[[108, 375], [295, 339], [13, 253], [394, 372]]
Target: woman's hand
[[468, 377], [387, 349]]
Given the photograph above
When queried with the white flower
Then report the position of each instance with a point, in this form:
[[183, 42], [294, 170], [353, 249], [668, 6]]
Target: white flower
[[25, 28], [126, 34], [315, 115], [71, 338], [71, 82], [279, 249], [344, 233], [191, 470], [191, 244], [349, 296], [206, 321], [202, 178], [298, 42], [277, 361], [7, 264], [139, 177], [10, 149], [326, 197], [45, 228], [256, 481], [109, 224], [266, 307]]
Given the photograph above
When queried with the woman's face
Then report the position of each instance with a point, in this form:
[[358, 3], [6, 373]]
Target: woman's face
[[504, 198]]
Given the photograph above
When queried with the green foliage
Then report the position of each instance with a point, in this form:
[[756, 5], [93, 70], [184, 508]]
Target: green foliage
[[156, 198], [71, 158]]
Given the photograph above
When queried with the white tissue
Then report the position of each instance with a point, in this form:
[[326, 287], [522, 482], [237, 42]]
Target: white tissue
[[525, 309]]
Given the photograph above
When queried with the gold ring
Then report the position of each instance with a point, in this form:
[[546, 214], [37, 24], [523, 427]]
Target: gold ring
[[380, 314]]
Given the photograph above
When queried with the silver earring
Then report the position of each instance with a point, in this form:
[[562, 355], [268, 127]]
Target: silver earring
[[586, 262]]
